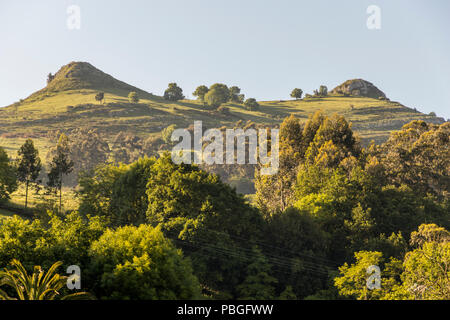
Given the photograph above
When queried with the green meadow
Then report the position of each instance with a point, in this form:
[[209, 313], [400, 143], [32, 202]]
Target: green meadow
[[372, 119]]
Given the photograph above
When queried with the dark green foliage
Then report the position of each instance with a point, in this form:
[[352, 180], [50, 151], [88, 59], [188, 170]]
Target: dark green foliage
[[129, 200], [259, 284], [60, 166], [200, 92], [297, 246], [299, 144], [213, 225], [100, 96], [8, 176], [235, 94], [251, 104], [348, 193], [323, 91], [95, 189], [117, 192], [50, 78], [333, 141], [173, 92], [28, 165], [218, 94], [297, 93]]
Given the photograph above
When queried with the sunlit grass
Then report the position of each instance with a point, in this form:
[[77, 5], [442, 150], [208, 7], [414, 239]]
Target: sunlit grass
[[35, 117], [35, 199]]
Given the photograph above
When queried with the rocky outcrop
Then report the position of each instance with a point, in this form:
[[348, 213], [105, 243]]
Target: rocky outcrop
[[359, 88]]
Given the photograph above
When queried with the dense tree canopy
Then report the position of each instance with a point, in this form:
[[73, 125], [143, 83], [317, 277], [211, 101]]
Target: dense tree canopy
[[332, 217], [218, 94], [173, 92], [8, 176], [214, 224], [200, 92], [297, 93]]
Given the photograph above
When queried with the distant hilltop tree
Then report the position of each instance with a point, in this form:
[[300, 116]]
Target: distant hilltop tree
[[173, 92], [133, 97], [218, 94], [200, 92], [251, 104], [50, 78], [323, 91], [235, 94], [100, 96], [297, 93]]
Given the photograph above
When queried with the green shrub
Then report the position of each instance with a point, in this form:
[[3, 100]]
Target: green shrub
[[251, 104], [140, 263]]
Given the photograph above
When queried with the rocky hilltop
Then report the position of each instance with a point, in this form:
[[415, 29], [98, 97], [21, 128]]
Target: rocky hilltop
[[359, 88]]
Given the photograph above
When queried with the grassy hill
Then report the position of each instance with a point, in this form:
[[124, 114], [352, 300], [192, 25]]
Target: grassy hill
[[68, 102]]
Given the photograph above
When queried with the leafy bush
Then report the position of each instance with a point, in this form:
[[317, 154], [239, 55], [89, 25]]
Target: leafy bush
[[173, 92], [133, 97], [251, 104], [140, 263], [166, 133]]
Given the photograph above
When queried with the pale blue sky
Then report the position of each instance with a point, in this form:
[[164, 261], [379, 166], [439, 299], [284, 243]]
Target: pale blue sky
[[265, 47]]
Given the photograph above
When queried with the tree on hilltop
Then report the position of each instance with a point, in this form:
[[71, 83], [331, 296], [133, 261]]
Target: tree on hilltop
[[173, 92], [297, 93], [200, 92]]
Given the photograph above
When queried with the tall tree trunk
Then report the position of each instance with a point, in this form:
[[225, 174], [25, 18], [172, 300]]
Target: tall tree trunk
[[60, 199], [26, 195], [60, 193]]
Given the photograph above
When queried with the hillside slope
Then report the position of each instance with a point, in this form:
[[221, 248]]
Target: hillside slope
[[68, 102], [83, 75]]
